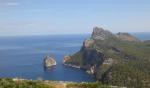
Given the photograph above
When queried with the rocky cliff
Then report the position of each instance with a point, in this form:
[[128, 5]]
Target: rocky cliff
[[106, 55], [101, 34], [97, 50]]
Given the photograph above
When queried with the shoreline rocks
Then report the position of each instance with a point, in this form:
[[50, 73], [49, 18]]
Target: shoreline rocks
[[66, 58], [73, 66], [49, 61]]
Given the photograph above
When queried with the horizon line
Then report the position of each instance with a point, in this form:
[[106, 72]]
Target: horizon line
[[61, 34]]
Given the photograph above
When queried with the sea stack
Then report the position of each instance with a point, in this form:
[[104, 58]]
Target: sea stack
[[49, 61]]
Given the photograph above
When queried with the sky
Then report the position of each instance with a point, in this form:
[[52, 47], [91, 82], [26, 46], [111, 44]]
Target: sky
[[46, 17]]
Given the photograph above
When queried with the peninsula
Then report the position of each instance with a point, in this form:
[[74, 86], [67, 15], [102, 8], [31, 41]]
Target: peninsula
[[117, 59]]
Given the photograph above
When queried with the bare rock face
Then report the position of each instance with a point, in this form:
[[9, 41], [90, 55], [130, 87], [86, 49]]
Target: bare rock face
[[91, 70], [88, 42], [101, 34], [49, 61], [66, 58], [126, 37]]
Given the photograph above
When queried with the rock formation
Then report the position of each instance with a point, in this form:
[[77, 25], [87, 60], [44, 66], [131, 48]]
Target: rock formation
[[66, 58], [101, 34], [92, 54], [49, 61], [126, 37]]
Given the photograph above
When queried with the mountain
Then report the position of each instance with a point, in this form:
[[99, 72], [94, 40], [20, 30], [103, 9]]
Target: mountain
[[116, 59], [100, 33], [126, 37]]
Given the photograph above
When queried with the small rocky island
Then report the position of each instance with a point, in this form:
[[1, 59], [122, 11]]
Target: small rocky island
[[49, 61]]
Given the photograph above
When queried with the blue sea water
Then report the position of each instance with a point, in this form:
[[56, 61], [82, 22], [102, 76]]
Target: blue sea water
[[142, 35], [23, 57]]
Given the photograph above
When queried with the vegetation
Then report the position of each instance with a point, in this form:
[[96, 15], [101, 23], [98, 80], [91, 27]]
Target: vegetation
[[74, 60], [128, 75], [132, 67], [10, 83], [86, 85]]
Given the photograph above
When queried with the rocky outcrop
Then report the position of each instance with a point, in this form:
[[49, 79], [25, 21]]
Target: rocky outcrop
[[49, 61], [101, 34], [126, 37], [88, 57], [66, 58]]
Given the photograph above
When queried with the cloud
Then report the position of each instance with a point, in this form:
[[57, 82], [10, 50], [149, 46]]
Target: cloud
[[12, 4], [6, 3]]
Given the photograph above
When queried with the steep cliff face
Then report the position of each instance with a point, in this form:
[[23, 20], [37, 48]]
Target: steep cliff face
[[111, 58], [89, 57]]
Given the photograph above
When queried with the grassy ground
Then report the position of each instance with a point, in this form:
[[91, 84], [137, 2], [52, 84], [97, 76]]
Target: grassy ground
[[21, 83]]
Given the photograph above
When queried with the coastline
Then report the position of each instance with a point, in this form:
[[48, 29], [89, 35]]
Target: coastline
[[73, 66], [22, 79]]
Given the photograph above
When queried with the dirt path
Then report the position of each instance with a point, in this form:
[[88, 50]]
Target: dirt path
[[61, 85], [58, 84]]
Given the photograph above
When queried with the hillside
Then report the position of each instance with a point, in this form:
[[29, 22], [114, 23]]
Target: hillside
[[116, 59]]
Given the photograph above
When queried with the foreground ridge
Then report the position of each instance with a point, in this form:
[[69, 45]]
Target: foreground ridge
[[25, 83]]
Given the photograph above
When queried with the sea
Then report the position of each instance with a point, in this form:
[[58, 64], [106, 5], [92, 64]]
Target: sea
[[22, 57]]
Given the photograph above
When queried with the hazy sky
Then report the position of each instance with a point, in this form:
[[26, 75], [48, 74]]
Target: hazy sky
[[39, 17]]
